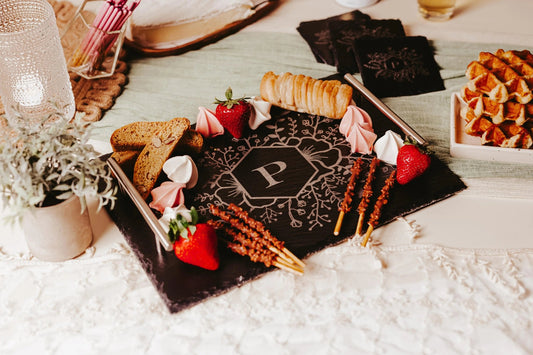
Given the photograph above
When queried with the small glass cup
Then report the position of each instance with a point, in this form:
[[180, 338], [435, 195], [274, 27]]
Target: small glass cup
[[91, 52], [34, 80], [356, 4], [436, 10]]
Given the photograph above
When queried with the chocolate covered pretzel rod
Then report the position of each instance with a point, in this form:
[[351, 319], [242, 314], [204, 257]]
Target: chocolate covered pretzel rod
[[367, 194], [244, 226], [378, 206], [257, 256], [248, 246], [253, 234], [346, 204], [248, 238], [260, 227]]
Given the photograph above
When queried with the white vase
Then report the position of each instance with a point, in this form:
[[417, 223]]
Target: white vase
[[59, 232]]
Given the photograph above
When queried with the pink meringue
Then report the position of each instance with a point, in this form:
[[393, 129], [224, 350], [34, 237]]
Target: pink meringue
[[356, 125], [260, 112], [207, 123], [168, 194]]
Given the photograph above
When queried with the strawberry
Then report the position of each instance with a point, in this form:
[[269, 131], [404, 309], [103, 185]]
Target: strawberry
[[194, 243], [411, 162], [233, 114]]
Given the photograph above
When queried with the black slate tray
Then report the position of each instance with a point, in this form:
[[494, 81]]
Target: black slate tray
[[291, 174]]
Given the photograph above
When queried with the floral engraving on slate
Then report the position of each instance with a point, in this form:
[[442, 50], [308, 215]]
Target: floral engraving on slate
[[319, 143], [322, 37], [350, 35], [404, 64]]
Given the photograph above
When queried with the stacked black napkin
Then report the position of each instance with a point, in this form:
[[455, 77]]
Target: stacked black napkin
[[390, 63], [317, 35]]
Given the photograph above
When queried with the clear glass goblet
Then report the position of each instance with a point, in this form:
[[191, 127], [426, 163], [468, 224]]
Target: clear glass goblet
[[34, 80]]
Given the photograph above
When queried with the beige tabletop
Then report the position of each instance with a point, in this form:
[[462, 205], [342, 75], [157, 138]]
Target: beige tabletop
[[490, 21]]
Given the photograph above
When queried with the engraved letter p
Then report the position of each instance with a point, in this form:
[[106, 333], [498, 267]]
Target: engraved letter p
[[269, 176]]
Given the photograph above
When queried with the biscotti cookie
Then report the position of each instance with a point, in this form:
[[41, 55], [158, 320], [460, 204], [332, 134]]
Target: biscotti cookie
[[191, 143], [134, 136], [150, 162], [126, 159]]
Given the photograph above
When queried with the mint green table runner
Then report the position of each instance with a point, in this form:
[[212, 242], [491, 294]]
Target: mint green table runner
[[175, 86]]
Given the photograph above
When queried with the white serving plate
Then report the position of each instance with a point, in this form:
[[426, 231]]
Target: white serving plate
[[464, 146]]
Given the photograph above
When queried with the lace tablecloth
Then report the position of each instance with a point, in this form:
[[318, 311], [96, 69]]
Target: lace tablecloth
[[404, 299]]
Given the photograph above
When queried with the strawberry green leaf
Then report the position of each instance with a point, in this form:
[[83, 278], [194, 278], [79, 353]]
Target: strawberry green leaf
[[173, 231], [230, 101], [184, 233], [194, 216], [229, 94], [180, 226]]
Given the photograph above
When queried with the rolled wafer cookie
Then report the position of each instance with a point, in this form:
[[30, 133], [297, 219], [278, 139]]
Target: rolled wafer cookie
[[329, 98]]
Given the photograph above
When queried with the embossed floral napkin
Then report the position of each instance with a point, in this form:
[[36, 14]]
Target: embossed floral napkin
[[317, 35], [398, 66], [344, 34]]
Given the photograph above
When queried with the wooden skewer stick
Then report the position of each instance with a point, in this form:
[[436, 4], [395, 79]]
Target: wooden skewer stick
[[338, 225], [359, 227], [280, 254], [367, 235], [381, 201], [292, 266], [286, 268], [293, 257], [348, 195], [367, 194]]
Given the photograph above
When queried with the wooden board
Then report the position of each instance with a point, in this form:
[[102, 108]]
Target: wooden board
[[261, 10]]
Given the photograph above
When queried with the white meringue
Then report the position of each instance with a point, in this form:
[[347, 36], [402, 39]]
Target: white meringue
[[171, 213], [181, 169], [356, 125], [260, 112], [388, 146], [207, 124]]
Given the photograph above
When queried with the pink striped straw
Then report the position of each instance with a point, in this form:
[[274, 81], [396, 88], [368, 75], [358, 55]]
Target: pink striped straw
[[102, 14], [111, 18], [121, 22], [102, 29]]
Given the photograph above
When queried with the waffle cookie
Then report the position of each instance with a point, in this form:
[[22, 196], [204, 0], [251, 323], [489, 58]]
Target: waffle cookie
[[499, 99], [479, 105], [506, 134], [502, 76]]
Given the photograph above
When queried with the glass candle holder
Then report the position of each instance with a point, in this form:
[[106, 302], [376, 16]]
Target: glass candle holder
[[34, 80]]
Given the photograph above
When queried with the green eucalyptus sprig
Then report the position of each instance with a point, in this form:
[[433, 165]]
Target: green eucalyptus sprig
[[44, 163]]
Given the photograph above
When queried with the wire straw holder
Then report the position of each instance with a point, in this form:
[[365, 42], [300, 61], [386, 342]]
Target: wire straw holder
[[93, 38]]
